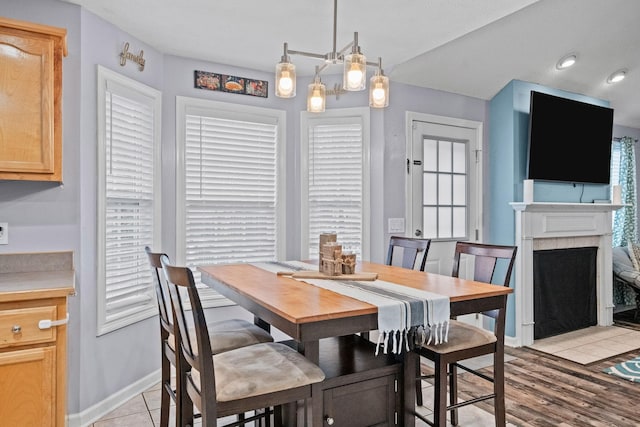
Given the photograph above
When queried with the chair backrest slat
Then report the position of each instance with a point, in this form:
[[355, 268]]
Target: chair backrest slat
[[410, 249], [485, 260], [162, 291]]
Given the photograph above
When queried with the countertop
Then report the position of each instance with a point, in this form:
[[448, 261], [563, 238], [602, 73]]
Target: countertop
[[36, 275]]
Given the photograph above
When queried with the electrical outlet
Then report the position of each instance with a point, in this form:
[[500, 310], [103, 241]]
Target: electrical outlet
[[4, 233]]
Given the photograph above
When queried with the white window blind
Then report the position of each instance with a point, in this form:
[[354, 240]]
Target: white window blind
[[232, 209], [336, 184], [128, 218]]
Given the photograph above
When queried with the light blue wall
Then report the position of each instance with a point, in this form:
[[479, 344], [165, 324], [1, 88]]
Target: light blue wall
[[508, 141]]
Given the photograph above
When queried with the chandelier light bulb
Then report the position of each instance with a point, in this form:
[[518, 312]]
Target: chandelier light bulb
[[355, 72], [316, 96], [285, 84], [379, 92], [285, 79]]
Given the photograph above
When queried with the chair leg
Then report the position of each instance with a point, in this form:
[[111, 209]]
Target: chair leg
[[165, 396], [498, 387], [277, 416], [453, 392], [419, 401], [440, 392]]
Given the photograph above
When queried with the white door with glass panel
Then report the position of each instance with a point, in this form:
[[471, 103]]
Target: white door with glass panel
[[445, 182]]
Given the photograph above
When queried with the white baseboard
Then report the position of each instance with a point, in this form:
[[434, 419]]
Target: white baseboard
[[100, 409], [511, 342]]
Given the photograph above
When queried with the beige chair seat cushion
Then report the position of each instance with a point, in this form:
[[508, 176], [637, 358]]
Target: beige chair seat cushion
[[230, 334], [462, 336], [260, 369]]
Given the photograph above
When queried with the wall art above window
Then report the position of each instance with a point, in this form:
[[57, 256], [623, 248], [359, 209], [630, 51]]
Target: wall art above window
[[232, 84]]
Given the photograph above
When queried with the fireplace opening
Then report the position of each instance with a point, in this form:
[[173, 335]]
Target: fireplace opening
[[564, 290]]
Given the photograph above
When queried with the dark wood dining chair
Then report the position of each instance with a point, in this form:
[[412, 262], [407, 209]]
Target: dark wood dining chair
[[411, 248], [466, 341], [229, 334], [246, 379]]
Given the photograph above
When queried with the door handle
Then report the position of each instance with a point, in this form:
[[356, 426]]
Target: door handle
[[418, 232]]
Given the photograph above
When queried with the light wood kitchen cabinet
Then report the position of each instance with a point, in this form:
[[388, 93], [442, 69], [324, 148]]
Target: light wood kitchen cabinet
[[33, 348], [31, 100]]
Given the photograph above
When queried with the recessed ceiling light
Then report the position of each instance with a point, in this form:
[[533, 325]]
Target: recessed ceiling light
[[617, 76], [567, 61]]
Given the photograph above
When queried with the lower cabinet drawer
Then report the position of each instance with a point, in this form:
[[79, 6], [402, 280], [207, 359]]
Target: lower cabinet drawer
[[362, 404], [20, 326]]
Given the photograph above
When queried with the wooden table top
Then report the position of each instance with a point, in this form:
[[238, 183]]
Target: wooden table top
[[300, 302]]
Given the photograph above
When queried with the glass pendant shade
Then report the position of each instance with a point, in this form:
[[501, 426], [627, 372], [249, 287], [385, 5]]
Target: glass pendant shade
[[355, 72], [285, 80], [316, 97], [379, 91]]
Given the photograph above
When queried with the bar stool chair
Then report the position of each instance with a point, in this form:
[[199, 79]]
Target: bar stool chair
[[237, 381], [466, 341], [229, 334], [411, 247]]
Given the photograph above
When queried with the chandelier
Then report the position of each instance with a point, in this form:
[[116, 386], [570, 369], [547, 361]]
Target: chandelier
[[354, 76]]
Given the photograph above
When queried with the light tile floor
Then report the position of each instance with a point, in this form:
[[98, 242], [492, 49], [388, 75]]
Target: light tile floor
[[144, 409], [591, 344]]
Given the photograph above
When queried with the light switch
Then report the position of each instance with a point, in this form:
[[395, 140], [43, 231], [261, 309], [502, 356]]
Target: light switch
[[396, 225]]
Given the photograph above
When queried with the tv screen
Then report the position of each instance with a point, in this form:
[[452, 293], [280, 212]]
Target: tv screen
[[569, 140]]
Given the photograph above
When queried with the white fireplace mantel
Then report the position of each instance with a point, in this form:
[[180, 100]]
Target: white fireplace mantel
[[554, 226]]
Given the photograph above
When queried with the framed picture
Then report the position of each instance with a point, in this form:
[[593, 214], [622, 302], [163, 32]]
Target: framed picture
[[257, 88], [206, 80], [233, 84]]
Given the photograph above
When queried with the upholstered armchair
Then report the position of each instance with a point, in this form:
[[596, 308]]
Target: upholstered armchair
[[625, 273]]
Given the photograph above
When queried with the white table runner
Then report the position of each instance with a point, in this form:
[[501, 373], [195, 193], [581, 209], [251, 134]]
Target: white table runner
[[400, 308]]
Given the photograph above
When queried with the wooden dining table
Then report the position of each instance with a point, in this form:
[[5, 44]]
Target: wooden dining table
[[308, 313]]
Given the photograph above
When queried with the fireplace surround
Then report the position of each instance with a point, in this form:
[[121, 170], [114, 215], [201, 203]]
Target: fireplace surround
[[547, 225]]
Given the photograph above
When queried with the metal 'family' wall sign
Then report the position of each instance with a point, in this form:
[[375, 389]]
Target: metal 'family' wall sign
[[125, 56]]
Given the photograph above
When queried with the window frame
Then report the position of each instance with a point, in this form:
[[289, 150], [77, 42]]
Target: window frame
[[337, 115], [139, 91]]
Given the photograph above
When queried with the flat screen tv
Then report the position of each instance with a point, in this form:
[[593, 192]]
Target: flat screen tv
[[569, 140]]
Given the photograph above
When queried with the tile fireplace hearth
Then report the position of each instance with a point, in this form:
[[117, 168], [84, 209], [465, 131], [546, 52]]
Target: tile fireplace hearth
[[541, 226]]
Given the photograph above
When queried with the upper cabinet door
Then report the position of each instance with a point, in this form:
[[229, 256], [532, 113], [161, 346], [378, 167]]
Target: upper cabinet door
[[31, 101]]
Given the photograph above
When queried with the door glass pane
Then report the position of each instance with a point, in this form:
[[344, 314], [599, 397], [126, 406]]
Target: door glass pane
[[459, 157], [444, 189], [430, 155], [444, 222], [444, 156], [429, 188], [430, 222], [459, 189], [459, 222]]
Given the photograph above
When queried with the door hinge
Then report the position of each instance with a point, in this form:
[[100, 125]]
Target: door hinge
[[477, 234], [408, 166], [395, 418], [395, 386], [478, 152]]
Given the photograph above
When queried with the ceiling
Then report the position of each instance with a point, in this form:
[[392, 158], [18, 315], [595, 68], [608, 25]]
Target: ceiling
[[469, 47]]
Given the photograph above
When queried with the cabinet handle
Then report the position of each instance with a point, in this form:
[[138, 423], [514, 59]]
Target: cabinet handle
[[47, 323], [329, 421], [16, 329]]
